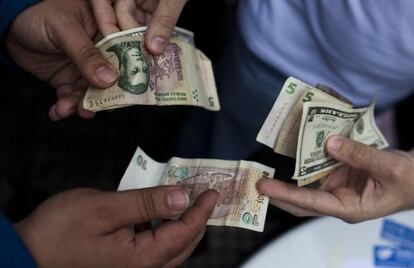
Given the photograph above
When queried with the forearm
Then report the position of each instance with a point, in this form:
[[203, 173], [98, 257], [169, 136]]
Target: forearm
[[9, 9]]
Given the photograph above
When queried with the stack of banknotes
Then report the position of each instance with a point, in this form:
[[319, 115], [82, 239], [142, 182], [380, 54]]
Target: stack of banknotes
[[181, 75], [302, 119]]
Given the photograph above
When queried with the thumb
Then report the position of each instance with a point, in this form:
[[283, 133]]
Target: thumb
[[139, 206], [360, 156], [79, 47], [162, 24]]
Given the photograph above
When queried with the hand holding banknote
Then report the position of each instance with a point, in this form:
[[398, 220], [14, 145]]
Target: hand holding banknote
[[181, 75], [239, 204], [90, 228], [371, 184], [160, 16], [52, 40], [304, 117]]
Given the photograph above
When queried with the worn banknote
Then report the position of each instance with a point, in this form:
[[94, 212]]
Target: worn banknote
[[181, 75], [319, 121], [239, 203], [288, 133], [281, 128]]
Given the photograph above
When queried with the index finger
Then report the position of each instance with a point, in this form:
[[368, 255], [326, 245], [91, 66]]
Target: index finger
[[105, 16], [162, 24], [172, 238], [317, 201]]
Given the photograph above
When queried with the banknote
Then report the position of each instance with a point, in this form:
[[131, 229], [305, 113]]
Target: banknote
[[239, 203], [287, 131], [319, 121], [181, 75], [281, 128]]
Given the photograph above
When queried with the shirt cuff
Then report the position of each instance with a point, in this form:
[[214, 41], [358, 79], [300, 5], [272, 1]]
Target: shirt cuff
[[13, 252], [9, 9]]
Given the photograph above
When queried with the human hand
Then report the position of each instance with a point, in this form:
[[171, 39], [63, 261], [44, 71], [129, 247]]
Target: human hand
[[53, 41], [159, 15], [89, 228], [371, 184]]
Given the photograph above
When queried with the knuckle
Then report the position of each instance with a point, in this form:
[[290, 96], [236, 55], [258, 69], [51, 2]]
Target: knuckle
[[353, 218], [399, 169], [87, 54], [146, 204], [61, 111], [166, 21], [103, 213], [359, 153], [350, 220], [405, 162]]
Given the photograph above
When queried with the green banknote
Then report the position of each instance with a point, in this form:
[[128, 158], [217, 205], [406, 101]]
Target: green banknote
[[321, 120], [281, 129], [288, 130], [181, 75]]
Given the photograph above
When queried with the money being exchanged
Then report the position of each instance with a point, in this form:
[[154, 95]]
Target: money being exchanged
[[181, 75], [239, 203], [302, 119]]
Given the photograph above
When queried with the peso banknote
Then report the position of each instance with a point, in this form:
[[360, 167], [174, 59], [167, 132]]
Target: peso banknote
[[239, 203], [281, 128], [319, 121], [181, 75]]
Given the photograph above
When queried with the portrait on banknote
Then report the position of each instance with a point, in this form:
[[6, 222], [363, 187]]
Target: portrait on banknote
[[133, 66]]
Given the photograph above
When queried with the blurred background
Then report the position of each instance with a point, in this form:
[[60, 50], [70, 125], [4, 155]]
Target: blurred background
[[39, 158]]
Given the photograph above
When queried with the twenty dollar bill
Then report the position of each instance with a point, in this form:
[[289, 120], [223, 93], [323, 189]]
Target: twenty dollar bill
[[181, 75], [239, 204]]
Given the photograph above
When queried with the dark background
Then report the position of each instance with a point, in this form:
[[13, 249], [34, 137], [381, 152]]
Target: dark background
[[39, 158]]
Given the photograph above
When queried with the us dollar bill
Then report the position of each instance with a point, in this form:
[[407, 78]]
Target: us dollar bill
[[319, 121], [181, 75], [281, 128], [239, 203]]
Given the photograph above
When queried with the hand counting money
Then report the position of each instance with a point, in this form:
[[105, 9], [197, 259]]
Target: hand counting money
[[181, 75], [302, 119], [239, 203]]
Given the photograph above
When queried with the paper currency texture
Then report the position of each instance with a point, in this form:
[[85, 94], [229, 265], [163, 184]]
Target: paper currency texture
[[321, 120], [239, 203], [181, 75], [281, 128], [302, 119]]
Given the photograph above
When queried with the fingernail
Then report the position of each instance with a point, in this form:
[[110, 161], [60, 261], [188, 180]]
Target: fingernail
[[335, 142], [158, 44], [106, 74], [178, 200]]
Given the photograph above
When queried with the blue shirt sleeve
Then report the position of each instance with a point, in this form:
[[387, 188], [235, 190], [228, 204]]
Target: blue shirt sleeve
[[13, 252], [9, 9]]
